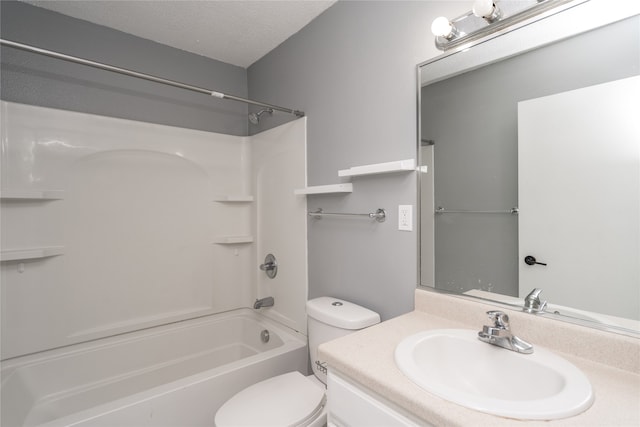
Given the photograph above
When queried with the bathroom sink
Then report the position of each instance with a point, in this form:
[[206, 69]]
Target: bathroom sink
[[455, 365]]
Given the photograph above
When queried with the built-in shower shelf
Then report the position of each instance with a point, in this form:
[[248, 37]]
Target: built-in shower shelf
[[32, 194], [232, 240], [407, 165], [31, 253], [325, 189], [233, 199]]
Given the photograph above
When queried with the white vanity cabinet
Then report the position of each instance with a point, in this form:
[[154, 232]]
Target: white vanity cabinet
[[351, 405]]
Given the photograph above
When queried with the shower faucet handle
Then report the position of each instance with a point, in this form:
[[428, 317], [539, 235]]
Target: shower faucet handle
[[270, 266]]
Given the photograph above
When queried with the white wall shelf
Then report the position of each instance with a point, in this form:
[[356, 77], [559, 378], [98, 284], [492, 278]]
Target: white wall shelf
[[407, 165], [232, 240], [233, 199], [325, 189], [32, 194], [31, 253]]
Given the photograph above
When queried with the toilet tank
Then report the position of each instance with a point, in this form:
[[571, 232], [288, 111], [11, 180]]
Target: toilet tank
[[330, 318]]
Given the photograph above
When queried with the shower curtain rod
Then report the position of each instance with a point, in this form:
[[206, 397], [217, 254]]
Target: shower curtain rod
[[143, 76]]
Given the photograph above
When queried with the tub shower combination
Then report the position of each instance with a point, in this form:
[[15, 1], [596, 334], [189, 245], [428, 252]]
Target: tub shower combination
[[130, 267]]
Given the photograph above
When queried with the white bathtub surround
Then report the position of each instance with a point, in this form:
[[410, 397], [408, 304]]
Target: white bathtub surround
[[279, 164], [177, 374], [152, 224], [112, 226], [610, 361]]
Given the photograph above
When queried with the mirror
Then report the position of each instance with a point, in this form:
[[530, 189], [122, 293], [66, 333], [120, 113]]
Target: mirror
[[530, 147]]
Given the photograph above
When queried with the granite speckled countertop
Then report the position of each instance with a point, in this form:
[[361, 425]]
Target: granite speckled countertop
[[610, 361]]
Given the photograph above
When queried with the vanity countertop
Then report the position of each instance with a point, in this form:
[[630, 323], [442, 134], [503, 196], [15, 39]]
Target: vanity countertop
[[610, 361]]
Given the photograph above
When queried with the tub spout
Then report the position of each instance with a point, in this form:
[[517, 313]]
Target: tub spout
[[263, 302]]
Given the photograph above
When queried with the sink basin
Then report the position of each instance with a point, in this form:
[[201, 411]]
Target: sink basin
[[455, 365]]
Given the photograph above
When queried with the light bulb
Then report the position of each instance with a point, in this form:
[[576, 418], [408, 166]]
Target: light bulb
[[486, 9], [483, 8], [441, 27]]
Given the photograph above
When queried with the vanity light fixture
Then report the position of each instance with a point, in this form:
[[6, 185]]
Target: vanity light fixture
[[490, 16]]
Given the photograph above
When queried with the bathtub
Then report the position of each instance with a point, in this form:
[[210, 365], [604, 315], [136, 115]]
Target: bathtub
[[173, 375]]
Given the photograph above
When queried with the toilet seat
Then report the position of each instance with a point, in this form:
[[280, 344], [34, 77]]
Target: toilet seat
[[285, 400]]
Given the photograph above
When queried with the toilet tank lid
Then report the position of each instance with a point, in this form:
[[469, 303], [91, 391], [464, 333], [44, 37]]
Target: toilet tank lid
[[340, 313]]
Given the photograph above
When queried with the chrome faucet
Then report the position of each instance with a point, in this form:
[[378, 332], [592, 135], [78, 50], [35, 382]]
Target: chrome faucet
[[499, 334], [263, 302], [532, 303]]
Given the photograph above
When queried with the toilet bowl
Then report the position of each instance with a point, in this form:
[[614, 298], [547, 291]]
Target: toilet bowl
[[293, 399]]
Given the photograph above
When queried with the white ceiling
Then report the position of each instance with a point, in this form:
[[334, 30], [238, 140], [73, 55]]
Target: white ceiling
[[237, 32]]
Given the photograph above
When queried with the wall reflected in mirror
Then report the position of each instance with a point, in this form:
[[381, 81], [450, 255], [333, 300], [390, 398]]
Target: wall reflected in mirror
[[538, 155]]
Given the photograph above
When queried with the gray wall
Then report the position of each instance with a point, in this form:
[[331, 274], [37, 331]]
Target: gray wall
[[353, 71], [38, 80]]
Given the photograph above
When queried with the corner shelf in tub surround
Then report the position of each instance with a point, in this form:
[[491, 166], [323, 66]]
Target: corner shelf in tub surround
[[232, 240], [233, 198], [408, 165], [325, 189], [32, 194], [31, 253]]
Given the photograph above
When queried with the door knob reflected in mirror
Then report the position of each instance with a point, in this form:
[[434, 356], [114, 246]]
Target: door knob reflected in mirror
[[531, 260]]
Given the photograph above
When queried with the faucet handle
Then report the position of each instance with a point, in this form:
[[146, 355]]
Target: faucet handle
[[532, 302], [500, 319]]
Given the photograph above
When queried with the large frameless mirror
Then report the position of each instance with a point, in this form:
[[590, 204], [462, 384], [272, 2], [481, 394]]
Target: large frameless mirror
[[530, 147]]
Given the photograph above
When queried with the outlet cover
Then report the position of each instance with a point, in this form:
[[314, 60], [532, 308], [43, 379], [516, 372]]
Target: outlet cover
[[405, 217]]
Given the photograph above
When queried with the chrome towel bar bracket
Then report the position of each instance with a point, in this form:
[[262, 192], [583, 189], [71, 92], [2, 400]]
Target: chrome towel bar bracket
[[441, 210], [379, 215]]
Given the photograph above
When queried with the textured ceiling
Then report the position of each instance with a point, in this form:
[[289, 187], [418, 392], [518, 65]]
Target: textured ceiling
[[236, 32]]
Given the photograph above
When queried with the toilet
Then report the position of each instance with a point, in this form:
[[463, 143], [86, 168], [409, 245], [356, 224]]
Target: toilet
[[293, 399]]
